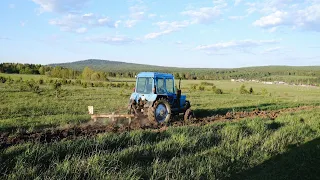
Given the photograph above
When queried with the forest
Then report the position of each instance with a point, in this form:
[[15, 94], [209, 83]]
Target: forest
[[101, 70]]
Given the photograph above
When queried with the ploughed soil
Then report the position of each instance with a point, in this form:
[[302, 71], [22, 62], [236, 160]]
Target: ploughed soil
[[92, 129]]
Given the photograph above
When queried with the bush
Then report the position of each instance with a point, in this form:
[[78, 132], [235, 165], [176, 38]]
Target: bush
[[84, 85], [194, 87], [218, 91], [201, 88], [3, 79], [251, 90], [243, 89], [264, 91], [207, 84], [41, 81]]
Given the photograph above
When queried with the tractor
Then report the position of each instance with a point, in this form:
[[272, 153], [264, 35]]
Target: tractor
[[157, 97]]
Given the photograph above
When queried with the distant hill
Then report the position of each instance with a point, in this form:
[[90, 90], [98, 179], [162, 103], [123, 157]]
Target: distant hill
[[268, 73], [106, 65]]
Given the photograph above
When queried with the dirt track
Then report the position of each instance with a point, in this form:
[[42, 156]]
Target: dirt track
[[89, 130]]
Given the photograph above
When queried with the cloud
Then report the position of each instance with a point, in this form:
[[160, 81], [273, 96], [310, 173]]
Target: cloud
[[271, 50], [130, 23], [60, 6], [77, 23], [167, 28], [137, 14], [309, 18], [23, 23], [241, 45], [275, 19], [81, 30], [151, 16], [298, 14], [237, 2], [157, 34], [204, 15], [112, 40]]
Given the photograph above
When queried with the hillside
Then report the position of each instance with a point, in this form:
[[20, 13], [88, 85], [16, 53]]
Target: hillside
[[294, 73], [106, 65]]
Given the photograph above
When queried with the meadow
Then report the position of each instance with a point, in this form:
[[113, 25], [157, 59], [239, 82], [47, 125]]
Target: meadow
[[284, 148]]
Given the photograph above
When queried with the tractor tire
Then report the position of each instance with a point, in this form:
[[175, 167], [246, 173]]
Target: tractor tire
[[188, 115], [152, 111]]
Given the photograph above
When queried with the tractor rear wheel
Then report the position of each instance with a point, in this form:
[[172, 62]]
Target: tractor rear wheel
[[160, 112], [188, 114]]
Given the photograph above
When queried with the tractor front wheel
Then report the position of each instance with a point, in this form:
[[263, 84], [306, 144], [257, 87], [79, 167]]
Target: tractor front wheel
[[160, 112]]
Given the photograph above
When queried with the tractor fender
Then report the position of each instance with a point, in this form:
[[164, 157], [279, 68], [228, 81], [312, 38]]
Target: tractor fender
[[151, 102]]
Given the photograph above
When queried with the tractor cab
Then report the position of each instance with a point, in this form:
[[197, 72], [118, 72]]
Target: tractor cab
[[153, 88]]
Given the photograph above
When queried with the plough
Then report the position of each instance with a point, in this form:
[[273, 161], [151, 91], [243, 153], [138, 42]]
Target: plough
[[112, 116]]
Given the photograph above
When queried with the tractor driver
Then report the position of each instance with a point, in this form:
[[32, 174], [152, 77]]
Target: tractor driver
[[161, 88]]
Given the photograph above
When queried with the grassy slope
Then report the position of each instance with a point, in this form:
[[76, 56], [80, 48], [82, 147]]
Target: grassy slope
[[28, 110], [287, 148]]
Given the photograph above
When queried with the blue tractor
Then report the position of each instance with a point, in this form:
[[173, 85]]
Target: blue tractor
[[157, 97]]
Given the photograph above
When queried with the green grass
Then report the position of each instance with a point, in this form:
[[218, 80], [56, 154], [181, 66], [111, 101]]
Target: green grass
[[247, 149], [286, 148]]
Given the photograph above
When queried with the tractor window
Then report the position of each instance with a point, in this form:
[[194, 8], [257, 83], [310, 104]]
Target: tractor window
[[144, 85], [169, 85], [161, 89]]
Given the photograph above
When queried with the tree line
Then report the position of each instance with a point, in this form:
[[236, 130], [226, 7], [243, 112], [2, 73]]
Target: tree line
[[298, 75]]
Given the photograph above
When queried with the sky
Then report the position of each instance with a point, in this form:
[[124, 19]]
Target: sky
[[180, 33]]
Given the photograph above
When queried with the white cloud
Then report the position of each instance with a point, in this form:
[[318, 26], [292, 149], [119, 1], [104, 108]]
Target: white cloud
[[237, 2], [151, 16], [297, 16], [204, 15], [23, 23], [175, 25], [137, 13], [72, 22], [112, 40], [167, 28], [275, 19], [60, 6], [130, 23], [116, 24], [234, 45], [271, 50], [81, 30], [309, 18], [157, 34]]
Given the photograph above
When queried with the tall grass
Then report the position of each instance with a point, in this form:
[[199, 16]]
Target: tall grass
[[216, 151]]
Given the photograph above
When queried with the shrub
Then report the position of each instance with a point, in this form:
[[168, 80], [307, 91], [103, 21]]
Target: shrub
[[201, 88], [3, 79], [264, 91], [194, 87], [251, 90], [41, 81], [243, 89], [218, 91], [207, 83]]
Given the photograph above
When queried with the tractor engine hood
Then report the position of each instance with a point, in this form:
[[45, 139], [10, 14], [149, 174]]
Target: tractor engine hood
[[148, 97]]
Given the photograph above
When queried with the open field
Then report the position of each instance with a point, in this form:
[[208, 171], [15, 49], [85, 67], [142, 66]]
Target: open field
[[257, 146]]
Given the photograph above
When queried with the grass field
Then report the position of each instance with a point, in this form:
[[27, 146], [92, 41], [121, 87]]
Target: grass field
[[285, 148]]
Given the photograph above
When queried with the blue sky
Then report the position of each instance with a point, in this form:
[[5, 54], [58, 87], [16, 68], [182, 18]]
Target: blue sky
[[216, 33]]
